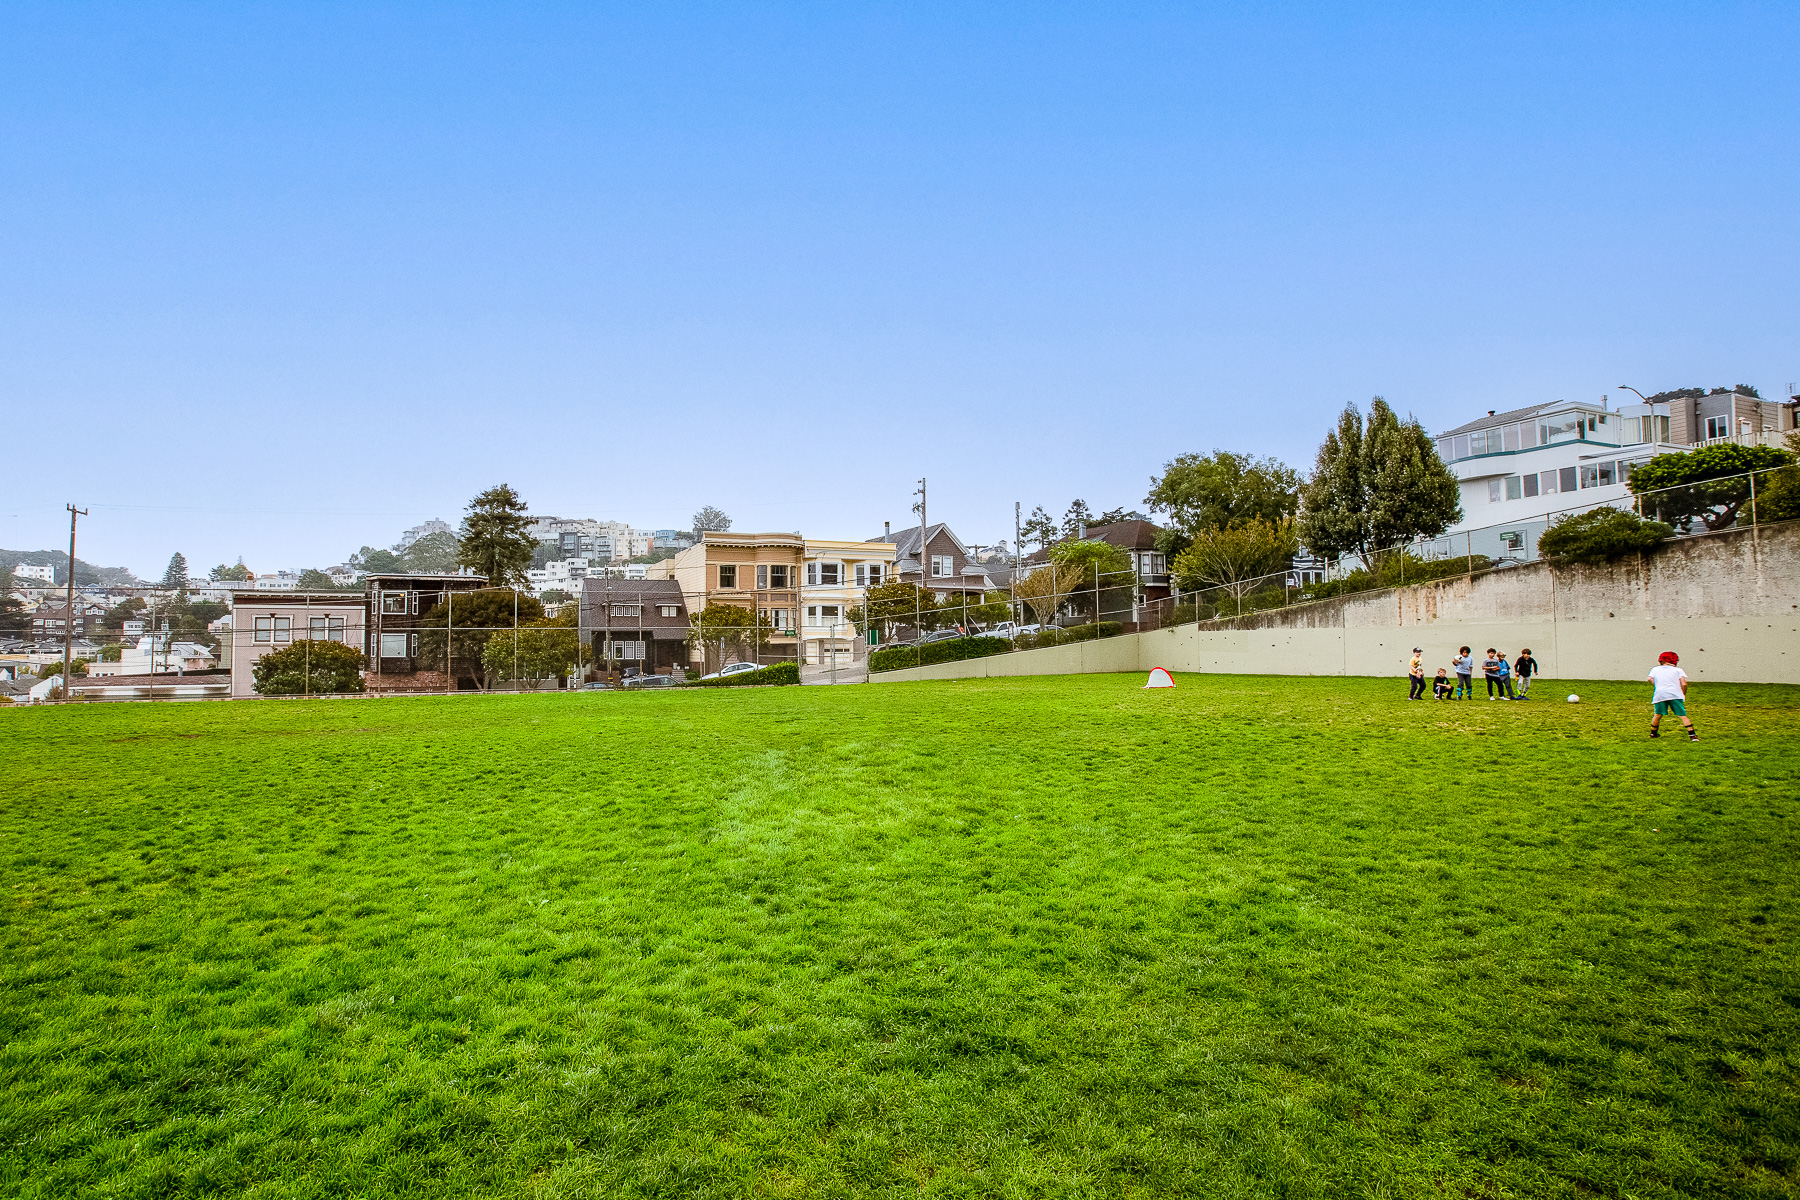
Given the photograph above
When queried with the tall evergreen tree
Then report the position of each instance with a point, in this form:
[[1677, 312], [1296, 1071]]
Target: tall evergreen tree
[[1077, 519], [1039, 528], [495, 540], [175, 575], [710, 520], [1376, 485]]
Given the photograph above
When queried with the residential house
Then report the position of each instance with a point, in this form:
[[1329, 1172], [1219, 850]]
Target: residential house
[[50, 619], [755, 571], [261, 624], [43, 571], [638, 625], [29, 690], [395, 605], [1516, 469], [937, 560], [1151, 581], [272, 581], [838, 577]]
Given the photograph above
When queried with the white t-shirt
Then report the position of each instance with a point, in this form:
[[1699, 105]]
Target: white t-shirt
[[1668, 679]]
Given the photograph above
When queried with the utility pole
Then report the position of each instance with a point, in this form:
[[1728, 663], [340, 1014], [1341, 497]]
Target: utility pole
[[918, 597], [69, 624], [1013, 591]]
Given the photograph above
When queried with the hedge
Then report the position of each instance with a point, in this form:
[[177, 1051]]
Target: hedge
[[780, 673], [896, 658], [1074, 633]]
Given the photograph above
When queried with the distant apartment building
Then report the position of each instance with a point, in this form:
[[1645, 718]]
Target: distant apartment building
[[423, 529], [274, 581], [838, 576], [44, 572], [261, 623], [585, 537]]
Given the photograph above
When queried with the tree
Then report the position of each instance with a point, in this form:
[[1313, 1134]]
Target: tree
[[710, 519], [1039, 529], [237, 573], [472, 618], [1711, 483], [318, 668], [175, 575], [371, 561], [1077, 519], [1085, 561], [314, 580], [1045, 589], [13, 617], [495, 541], [1215, 490], [125, 610], [1235, 556], [555, 596], [896, 601], [1778, 492], [1376, 486], [547, 647], [1600, 536], [728, 629], [1113, 516]]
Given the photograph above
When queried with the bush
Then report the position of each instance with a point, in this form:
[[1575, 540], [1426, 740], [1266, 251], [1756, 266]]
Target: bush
[[896, 658], [1600, 536], [319, 668], [772, 676], [1088, 632]]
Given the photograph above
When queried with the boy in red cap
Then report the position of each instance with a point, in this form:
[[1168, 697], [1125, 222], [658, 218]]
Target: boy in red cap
[[1670, 695]]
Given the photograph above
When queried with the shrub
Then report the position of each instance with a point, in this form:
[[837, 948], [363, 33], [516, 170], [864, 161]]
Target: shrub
[[896, 658], [776, 675], [1090, 631], [315, 667], [1600, 536]]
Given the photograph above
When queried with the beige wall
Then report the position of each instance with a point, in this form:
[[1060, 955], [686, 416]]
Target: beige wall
[[245, 649], [1728, 603]]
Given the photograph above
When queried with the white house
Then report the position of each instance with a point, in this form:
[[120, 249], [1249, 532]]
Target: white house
[[1518, 470], [838, 576]]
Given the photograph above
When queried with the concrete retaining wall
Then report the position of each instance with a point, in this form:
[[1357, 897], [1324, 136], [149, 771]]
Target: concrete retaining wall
[[1729, 603]]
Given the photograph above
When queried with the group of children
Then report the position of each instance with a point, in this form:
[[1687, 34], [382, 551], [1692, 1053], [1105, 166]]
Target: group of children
[[1498, 672], [1667, 677]]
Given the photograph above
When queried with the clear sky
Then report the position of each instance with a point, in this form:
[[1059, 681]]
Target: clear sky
[[279, 281]]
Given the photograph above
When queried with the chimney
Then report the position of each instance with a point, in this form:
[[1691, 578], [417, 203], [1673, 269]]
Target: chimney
[[1490, 412], [887, 531]]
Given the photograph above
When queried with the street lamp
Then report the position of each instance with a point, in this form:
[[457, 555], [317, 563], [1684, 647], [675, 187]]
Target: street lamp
[[1628, 388]]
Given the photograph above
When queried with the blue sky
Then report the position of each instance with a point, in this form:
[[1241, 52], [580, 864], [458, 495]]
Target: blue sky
[[279, 281]]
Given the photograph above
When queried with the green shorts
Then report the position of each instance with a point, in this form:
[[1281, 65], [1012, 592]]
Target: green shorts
[[1665, 707]]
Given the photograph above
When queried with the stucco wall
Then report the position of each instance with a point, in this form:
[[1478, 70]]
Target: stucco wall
[[1729, 603]]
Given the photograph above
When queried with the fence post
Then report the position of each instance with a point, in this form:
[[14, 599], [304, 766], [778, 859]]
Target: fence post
[[1755, 533]]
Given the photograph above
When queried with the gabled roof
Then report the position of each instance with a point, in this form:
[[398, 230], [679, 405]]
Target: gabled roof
[[597, 595], [906, 542]]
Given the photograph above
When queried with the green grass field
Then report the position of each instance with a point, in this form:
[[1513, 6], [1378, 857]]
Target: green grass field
[[1016, 938]]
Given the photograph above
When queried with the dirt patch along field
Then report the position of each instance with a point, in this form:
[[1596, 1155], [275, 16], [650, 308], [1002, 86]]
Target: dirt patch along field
[[1047, 937]]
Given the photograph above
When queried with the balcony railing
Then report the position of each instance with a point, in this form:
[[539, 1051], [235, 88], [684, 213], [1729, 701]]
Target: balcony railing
[[1768, 437]]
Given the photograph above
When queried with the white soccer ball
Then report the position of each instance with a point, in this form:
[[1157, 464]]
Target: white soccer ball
[[1574, 699]]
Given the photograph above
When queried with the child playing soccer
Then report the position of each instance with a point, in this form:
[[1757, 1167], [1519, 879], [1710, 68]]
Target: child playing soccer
[[1670, 695], [1441, 687]]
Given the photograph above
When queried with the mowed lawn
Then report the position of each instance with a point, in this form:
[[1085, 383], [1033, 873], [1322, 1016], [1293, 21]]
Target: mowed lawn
[[1032, 938]]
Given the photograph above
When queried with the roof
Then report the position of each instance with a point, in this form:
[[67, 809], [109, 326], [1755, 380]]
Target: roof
[[1506, 418], [906, 541], [598, 594], [1127, 535]]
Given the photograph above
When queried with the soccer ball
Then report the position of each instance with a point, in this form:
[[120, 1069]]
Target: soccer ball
[[1574, 699]]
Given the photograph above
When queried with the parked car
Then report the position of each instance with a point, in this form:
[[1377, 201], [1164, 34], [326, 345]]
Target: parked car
[[736, 668], [1022, 630], [653, 681], [941, 635]]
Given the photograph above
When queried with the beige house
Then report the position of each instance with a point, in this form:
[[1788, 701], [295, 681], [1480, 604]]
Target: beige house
[[267, 621], [755, 571], [838, 577]]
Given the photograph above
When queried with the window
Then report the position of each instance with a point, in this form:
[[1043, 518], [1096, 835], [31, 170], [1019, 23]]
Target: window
[[1484, 441], [265, 629], [762, 579], [778, 617], [1514, 487], [940, 564], [727, 575], [1462, 446], [1493, 491], [1718, 427], [412, 642], [1608, 476], [1531, 484], [1634, 431], [283, 626], [393, 602], [1558, 429], [315, 629], [1155, 564], [627, 610], [812, 574], [779, 576], [1511, 434], [1548, 480], [668, 610], [812, 614], [393, 645], [831, 574], [1566, 479], [628, 649], [868, 574], [1446, 448], [1590, 475], [828, 614]]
